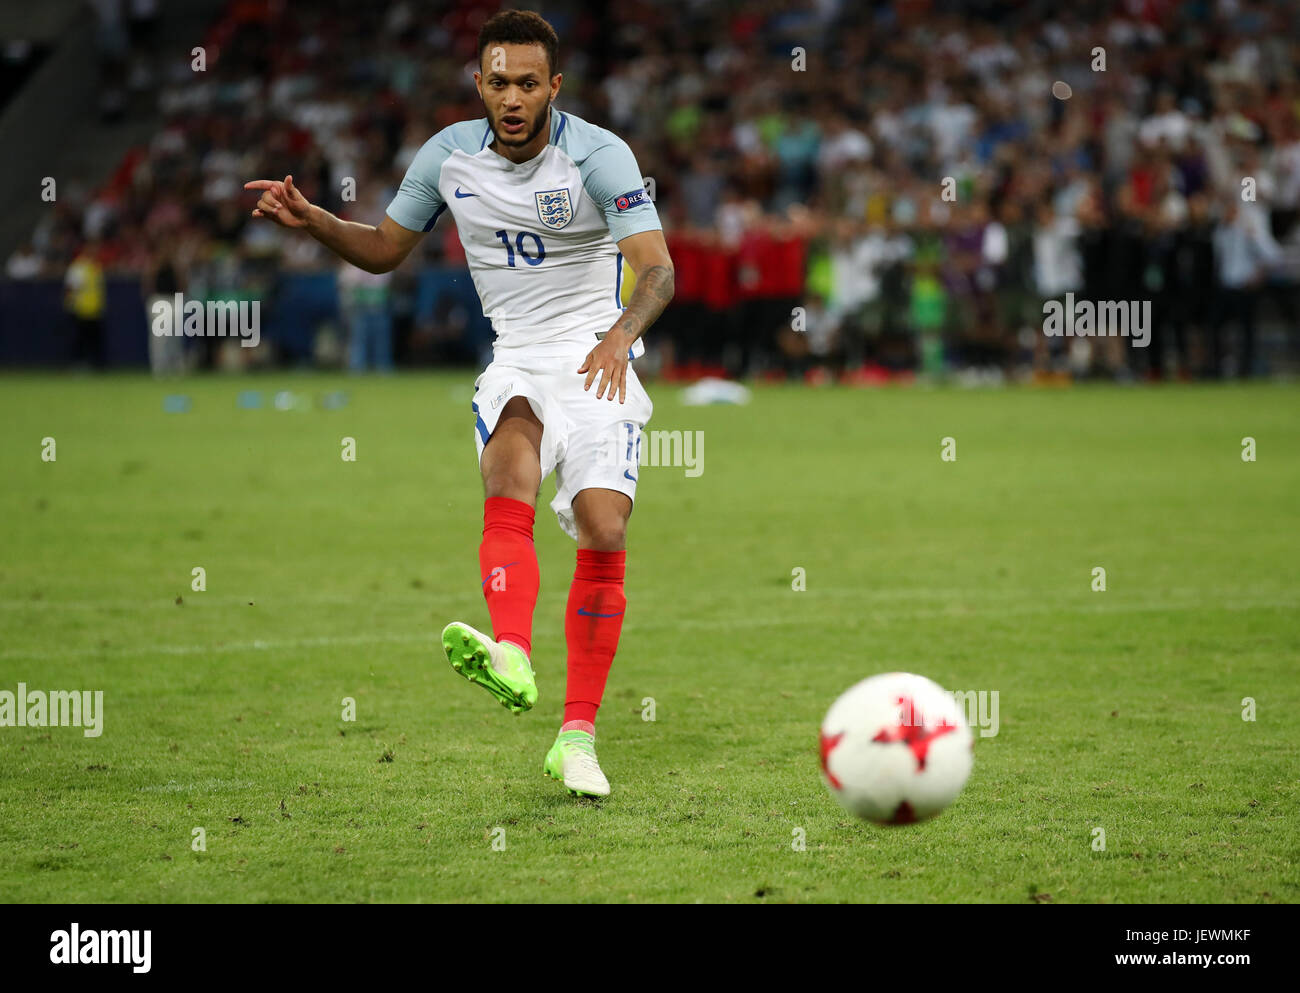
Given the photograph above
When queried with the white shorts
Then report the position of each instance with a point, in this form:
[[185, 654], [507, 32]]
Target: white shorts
[[587, 442]]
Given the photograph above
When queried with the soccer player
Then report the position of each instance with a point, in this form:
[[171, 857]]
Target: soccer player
[[548, 207]]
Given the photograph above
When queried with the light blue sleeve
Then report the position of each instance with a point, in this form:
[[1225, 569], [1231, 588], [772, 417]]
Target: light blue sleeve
[[613, 180], [419, 202]]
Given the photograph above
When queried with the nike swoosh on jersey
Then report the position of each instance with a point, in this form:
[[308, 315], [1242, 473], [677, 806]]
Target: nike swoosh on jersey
[[462, 196]]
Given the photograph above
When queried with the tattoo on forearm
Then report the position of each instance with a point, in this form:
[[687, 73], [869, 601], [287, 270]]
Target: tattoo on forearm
[[654, 290]]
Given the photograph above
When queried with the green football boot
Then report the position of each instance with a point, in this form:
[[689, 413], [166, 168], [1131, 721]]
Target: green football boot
[[572, 760], [501, 668]]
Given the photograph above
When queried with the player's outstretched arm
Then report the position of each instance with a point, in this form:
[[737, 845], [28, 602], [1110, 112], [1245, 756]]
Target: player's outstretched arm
[[647, 254], [374, 249]]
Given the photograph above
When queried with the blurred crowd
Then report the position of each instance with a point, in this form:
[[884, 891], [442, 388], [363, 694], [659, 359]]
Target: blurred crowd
[[850, 189]]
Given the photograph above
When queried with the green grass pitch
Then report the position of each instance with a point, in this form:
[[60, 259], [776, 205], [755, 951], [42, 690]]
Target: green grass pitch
[[326, 579]]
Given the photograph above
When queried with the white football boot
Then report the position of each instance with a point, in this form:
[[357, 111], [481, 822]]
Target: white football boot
[[572, 760]]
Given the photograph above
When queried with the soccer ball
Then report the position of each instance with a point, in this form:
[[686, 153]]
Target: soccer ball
[[895, 748]]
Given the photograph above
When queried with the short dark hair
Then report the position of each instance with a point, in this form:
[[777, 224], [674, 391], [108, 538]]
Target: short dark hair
[[520, 27]]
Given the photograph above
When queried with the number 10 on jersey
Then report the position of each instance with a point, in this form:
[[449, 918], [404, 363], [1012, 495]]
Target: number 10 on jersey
[[535, 258]]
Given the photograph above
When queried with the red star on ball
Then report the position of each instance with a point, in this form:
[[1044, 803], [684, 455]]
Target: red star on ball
[[917, 737], [829, 741]]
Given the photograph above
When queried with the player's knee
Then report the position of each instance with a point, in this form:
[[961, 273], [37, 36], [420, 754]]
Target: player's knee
[[512, 482], [607, 534]]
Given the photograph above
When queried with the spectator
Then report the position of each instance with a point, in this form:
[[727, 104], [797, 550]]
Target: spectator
[[84, 300], [1244, 250], [364, 303], [811, 347], [25, 263], [161, 281], [1058, 270]]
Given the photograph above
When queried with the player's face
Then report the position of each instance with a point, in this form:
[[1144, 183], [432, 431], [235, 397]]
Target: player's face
[[517, 90]]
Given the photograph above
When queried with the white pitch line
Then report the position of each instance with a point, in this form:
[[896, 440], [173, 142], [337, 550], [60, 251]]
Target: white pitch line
[[380, 597], [257, 645], [206, 786], [211, 600], [734, 622]]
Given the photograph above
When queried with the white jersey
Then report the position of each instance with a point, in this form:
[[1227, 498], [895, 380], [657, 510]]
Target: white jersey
[[540, 236]]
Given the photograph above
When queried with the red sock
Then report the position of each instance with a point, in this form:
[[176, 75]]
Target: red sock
[[592, 624], [508, 561]]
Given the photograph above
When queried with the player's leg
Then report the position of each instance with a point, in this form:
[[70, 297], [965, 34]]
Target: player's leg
[[512, 475], [511, 468], [595, 486], [593, 622], [511, 464], [594, 619]]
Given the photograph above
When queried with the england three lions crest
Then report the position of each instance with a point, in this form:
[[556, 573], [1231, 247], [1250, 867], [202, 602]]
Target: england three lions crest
[[554, 208]]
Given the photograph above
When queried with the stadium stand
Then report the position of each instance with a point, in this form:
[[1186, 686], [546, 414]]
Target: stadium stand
[[800, 154]]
